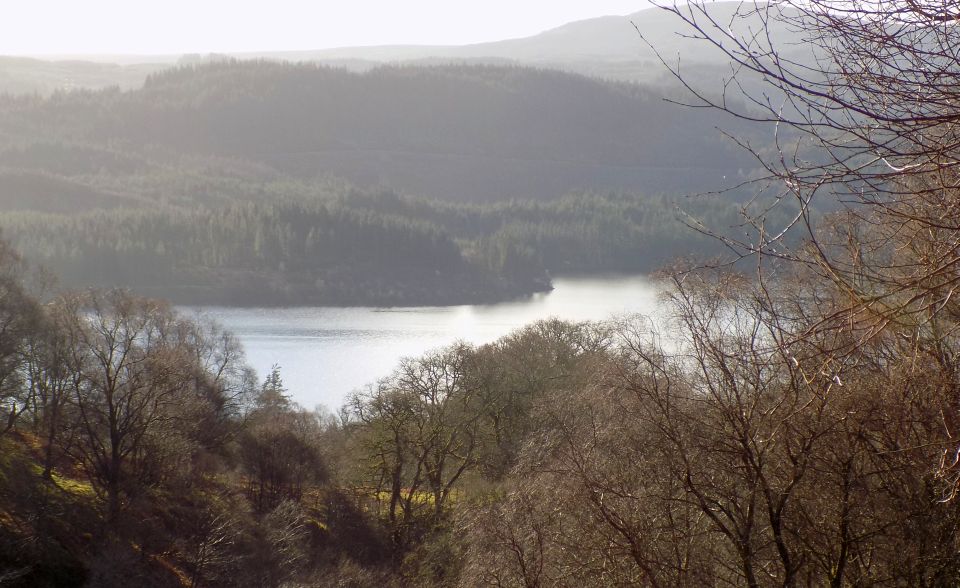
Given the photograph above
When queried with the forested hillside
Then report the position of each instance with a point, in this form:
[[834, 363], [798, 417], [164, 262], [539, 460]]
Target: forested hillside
[[356, 247], [243, 182], [461, 133]]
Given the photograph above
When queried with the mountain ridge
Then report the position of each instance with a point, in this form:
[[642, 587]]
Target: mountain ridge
[[610, 47]]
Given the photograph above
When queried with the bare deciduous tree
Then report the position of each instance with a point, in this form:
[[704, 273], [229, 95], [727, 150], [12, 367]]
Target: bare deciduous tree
[[864, 103], [130, 374], [422, 430], [19, 318], [728, 461]]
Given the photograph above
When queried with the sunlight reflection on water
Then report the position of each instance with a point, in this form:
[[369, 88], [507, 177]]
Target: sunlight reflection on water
[[326, 352]]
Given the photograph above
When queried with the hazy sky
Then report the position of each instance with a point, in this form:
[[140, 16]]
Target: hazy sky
[[31, 27]]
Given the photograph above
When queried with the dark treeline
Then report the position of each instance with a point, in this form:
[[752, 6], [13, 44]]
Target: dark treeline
[[580, 232], [138, 448], [368, 248], [256, 253]]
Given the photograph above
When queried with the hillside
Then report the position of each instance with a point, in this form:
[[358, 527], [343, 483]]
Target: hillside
[[265, 183], [456, 133]]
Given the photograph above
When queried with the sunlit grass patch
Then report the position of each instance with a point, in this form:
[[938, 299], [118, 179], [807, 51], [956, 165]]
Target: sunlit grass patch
[[419, 497], [79, 488], [74, 486]]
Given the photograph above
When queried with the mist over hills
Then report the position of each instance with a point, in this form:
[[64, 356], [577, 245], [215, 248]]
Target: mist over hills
[[24, 75], [609, 47]]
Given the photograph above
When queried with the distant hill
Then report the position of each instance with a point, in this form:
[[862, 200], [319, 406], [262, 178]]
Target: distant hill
[[459, 133], [609, 47], [602, 39], [22, 75]]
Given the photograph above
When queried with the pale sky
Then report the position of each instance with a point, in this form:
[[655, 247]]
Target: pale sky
[[57, 27]]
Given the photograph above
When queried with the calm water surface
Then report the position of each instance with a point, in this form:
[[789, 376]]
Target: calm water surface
[[325, 353]]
